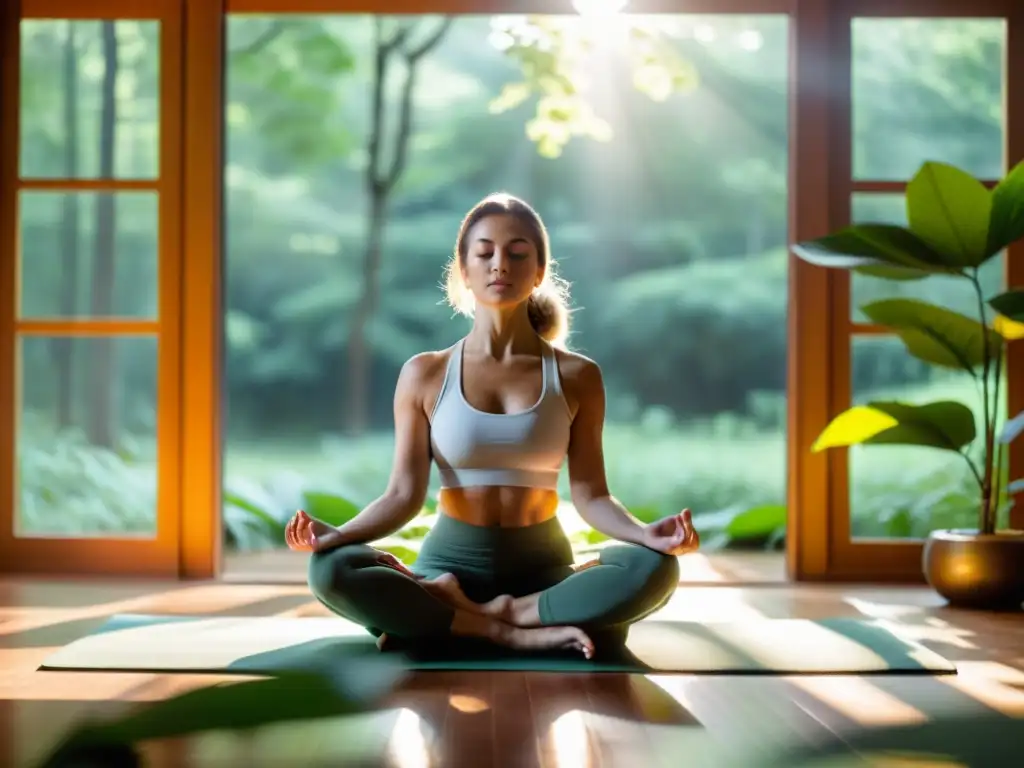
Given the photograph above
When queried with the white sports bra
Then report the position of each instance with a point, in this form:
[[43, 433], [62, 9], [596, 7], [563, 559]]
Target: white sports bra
[[476, 448]]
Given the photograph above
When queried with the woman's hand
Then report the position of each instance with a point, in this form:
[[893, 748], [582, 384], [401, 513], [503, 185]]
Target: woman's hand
[[674, 535], [305, 534], [390, 561]]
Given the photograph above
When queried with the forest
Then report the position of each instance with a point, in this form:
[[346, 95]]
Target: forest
[[654, 147]]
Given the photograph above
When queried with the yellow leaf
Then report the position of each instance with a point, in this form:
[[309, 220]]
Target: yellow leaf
[[1011, 330], [853, 427]]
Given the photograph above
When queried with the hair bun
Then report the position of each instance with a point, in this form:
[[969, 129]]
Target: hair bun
[[548, 314]]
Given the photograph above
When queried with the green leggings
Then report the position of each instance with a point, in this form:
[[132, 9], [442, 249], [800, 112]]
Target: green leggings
[[629, 583]]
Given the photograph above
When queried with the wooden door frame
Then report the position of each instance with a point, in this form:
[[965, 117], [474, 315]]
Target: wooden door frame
[[203, 382], [809, 385], [152, 556], [822, 548]]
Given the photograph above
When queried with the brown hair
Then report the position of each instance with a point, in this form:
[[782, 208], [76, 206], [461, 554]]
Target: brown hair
[[548, 305]]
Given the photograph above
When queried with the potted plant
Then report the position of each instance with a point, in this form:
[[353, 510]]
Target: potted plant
[[955, 226]]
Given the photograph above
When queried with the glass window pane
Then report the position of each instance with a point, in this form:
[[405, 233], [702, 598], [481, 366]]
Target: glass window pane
[[899, 492], [927, 89], [674, 242], [89, 254], [956, 293], [87, 444], [90, 99]]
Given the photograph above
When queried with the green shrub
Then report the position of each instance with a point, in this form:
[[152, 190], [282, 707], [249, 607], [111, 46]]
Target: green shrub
[[68, 487]]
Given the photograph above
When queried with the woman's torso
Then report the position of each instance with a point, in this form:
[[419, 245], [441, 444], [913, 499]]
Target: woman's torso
[[501, 506], [494, 421]]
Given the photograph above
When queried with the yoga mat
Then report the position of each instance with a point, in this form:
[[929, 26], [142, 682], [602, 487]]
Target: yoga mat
[[268, 645]]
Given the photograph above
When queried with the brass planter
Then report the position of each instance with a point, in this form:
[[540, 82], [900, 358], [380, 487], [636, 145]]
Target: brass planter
[[972, 570]]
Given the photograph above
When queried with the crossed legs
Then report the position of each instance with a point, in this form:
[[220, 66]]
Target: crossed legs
[[626, 584], [352, 582]]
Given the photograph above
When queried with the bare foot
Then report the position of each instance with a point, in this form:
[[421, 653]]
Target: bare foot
[[472, 624], [542, 638], [447, 588]]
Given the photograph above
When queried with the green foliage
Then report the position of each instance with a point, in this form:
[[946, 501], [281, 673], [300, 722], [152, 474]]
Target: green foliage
[[946, 425], [937, 335], [955, 223], [293, 64], [950, 210], [910, 504], [879, 250], [255, 513], [763, 526], [69, 487], [1010, 305], [351, 686], [955, 226], [255, 516], [1006, 224], [554, 54]]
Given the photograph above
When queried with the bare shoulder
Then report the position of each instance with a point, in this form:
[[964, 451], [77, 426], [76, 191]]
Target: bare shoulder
[[422, 376], [421, 368], [581, 377]]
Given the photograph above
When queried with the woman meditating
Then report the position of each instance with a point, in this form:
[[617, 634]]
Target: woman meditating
[[499, 413]]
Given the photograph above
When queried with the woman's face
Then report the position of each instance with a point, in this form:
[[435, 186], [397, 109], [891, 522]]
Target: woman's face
[[502, 266]]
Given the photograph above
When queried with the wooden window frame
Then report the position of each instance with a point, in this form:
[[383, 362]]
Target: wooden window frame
[[832, 554], [819, 329], [135, 555]]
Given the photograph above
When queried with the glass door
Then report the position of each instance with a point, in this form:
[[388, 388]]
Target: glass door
[[921, 88], [90, 281]]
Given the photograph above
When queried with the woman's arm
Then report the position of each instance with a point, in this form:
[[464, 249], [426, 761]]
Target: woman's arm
[[587, 479], [410, 470]]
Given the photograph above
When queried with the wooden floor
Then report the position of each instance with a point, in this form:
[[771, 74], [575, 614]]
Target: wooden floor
[[514, 719]]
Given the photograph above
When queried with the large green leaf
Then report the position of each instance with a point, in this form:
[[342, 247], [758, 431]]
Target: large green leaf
[[949, 210], [407, 554], [878, 247], [1006, 225], [331, 508], [1009, 304], [351, 686], [258, 514], [255, 500], [892, 273], [757, 522], [943, 424], [934, 334]]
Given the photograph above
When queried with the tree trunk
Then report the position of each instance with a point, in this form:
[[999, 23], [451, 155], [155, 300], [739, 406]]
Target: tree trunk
[[102, 426], [359, 357], [62, 346], [379, 185]]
